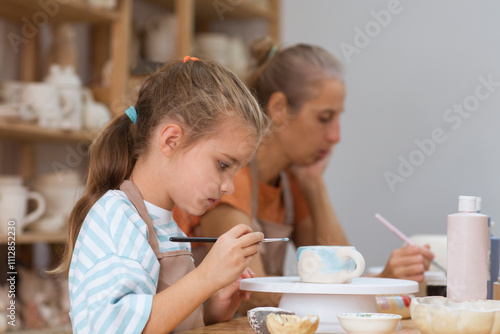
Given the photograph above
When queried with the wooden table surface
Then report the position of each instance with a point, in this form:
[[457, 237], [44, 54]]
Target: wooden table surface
[[241, 325]]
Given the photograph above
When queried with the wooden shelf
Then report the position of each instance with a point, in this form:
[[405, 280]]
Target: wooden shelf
[[34, 237], [244, 11], [56, 330], [207, 9], [67, 10], [32, 132], [101, 94]]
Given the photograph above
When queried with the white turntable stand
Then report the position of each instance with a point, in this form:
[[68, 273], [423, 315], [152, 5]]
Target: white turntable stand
[[328, 300]]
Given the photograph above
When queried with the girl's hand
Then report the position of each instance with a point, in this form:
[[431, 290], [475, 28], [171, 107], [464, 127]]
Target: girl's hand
[[409, 262], [230, 255], [307, 175], [224, 303]]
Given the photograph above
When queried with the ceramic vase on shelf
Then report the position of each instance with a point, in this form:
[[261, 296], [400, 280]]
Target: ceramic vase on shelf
[[96, 114], [69, 85], [161, 38], [238, 57], [213, 46], [226, 50]]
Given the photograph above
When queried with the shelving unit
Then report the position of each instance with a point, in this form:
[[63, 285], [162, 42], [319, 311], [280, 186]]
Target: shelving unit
[[33, 237], [210, 9], [111, 32], [192, 13], [67, 11], [110, 35], [31, 133], [111, 38]]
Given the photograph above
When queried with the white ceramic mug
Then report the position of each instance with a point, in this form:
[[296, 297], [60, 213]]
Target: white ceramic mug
[[329, 264], [43, 100], [14, 206]]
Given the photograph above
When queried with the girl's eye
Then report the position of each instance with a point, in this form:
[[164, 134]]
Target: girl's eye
[[324, 119], [223, 165]]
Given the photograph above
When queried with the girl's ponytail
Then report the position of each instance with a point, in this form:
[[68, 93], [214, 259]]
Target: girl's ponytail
[[112, 158]]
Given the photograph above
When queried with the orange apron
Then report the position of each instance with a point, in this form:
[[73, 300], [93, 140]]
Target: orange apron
[[273, 253], [173, 265]]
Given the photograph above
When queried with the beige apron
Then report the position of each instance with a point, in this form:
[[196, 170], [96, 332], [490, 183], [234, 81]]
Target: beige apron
[[273, 253], [173, 265]]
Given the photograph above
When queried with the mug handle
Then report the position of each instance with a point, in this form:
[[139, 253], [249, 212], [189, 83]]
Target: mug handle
[[40, 208], [360, 263]]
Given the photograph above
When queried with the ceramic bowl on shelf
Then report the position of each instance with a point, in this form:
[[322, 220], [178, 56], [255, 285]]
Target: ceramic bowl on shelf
[[440, 315], [374, 323]]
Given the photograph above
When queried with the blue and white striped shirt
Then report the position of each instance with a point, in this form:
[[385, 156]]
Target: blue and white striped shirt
[[114, 272]]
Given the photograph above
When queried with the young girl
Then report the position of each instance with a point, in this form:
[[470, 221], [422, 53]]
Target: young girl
[[193, 127]]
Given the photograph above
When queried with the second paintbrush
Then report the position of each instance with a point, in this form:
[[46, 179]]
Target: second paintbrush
[[205, 239]]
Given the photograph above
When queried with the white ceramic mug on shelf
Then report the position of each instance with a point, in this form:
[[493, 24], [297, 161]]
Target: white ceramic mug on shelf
[[42, 100], [14, 207], [329, 264]]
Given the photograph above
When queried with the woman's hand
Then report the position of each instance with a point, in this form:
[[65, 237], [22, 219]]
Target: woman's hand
[[230, 255], [224, 303], [409, 262], [307, 175]]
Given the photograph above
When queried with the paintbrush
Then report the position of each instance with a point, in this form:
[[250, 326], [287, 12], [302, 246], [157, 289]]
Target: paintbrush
[[204, 239], [403, 237]]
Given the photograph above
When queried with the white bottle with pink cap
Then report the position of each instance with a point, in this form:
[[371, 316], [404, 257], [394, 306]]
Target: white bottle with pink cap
[[467, 252]]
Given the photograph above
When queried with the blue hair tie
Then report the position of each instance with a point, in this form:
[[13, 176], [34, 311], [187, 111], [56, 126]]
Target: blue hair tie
[[272, 53], [132, 114]]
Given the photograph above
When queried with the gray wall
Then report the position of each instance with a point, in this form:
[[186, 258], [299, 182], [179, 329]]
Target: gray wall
[[402, 84]]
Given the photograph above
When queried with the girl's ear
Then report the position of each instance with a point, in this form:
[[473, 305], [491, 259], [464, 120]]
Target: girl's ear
[[170, 137], [277, 107]]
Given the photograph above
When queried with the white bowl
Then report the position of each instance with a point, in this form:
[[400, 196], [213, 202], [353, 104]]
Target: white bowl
[[440, 315], [374, 323]]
